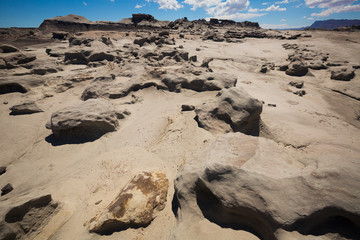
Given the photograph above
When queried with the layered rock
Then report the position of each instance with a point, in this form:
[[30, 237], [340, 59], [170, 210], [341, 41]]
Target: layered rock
[[136, 205], [233, 109], [236, 183]]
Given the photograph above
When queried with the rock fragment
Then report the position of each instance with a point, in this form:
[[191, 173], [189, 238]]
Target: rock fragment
[[343, 74], [25, 108], [136, 205], [6, 189]]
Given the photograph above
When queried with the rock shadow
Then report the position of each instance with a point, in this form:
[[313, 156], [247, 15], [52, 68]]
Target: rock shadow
[[238, 218], [56, 140]]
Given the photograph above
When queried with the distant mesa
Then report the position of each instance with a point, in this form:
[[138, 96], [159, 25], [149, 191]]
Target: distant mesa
[[335, 23]]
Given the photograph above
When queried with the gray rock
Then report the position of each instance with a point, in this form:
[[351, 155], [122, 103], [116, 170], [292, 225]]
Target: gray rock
[[10, 87], [6, 48], [297, 84], [232, 110], [25, 108], [186, 107], [343, 74], [206, 62], [205, 82], [2, 170], [297, 68], [90, 119], [235, 181], [6, 189]]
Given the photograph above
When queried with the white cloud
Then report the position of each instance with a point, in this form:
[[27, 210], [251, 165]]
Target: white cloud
[[273, 8], [219, 7], [168, 4], [138, 6], [265, 3], [241, 16], [282, 2], [328, 3], [85, 4], [329, 11], [228, 7], [202, 3], [112, 0], [283, 20], [253, 10], [310, 18]]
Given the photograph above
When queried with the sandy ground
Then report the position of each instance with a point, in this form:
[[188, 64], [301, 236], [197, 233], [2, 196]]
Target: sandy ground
[[157, 136]]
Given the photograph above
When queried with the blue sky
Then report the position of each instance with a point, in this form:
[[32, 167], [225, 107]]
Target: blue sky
[[269, 14]]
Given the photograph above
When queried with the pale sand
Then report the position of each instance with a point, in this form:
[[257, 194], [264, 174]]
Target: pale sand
[[157, 136]]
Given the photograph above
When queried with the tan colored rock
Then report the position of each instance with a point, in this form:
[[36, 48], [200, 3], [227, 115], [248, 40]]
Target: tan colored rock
[[135, 206], [88, 120], [232, 110], [257, 185]]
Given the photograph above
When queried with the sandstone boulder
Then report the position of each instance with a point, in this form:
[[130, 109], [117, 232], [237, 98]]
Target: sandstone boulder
[[343, 74], [88, 120], [135, 206], [297, 68], [25, 108], [232, 110], [236, 183]]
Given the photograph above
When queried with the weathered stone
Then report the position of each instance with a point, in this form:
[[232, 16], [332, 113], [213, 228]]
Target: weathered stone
[[60, 35], [235, 182], [297, 84], [232, 110], [297, 68], [6, 48], [25, 108], [135, 206], [10, 87], [6, 189], [186, 107], [2, 170], [343, 74], [90, 119]]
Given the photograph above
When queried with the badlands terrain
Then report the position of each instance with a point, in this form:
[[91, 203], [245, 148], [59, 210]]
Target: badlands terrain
[[145, 129]]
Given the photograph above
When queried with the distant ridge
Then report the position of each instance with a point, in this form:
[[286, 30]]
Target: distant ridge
[[335, 23]]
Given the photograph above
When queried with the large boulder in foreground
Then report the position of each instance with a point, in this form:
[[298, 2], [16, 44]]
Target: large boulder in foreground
[[232, 110], [135, 206], [255, 184], [90, 119]]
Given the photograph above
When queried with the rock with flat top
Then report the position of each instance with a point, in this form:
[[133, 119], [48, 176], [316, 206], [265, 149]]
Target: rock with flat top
[[25, 108], [90, 119], [135, 206]]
